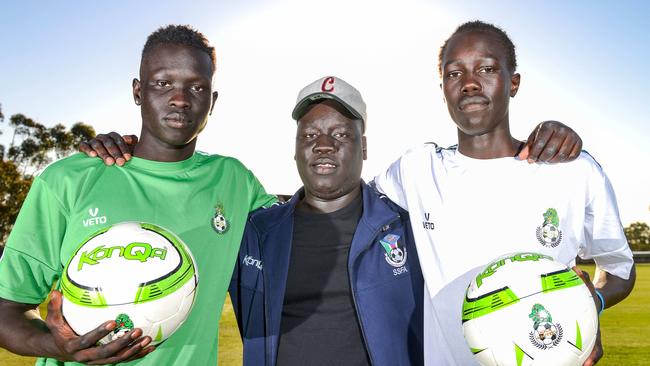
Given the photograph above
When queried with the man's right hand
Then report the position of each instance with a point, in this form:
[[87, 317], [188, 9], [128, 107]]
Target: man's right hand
[[72, 347], [112, 148]]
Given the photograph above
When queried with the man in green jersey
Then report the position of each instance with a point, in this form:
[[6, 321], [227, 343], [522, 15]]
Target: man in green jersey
[[166, 183]]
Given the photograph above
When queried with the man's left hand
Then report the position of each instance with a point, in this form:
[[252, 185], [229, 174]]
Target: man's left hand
[[551, 142]]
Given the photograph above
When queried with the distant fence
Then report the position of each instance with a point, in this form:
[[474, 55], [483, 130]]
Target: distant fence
[[639, 257]]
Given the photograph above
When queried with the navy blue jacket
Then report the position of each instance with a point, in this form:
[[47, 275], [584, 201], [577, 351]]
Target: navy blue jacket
[[386, 284]]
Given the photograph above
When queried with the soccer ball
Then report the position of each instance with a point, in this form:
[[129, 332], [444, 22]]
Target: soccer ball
[[397, 255], [138, 274], [550, 233], [527, 309]]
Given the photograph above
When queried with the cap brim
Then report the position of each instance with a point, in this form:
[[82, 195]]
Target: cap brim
[[300, 108]]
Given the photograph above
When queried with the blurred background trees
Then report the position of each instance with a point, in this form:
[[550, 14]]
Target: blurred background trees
[[29, 147], [638, 235]]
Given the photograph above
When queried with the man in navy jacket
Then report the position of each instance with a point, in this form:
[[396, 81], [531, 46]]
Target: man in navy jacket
[[332, 276]]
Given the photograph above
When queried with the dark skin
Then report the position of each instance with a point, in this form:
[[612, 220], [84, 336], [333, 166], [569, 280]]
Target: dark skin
[[477, 90], [176, 97], [478, 85], [330, 150]]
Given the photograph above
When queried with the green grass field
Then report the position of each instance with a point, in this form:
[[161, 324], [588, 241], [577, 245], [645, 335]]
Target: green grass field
[[623, 328]]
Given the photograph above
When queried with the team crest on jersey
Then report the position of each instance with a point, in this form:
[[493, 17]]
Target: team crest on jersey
[[545, 334], [549, 234], [395, 254], [219, 222]]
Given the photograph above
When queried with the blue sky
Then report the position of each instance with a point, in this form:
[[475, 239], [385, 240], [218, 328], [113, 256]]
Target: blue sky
[[585, 63]]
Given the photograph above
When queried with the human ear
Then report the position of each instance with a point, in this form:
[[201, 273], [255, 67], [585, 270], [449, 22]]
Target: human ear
[[215, 95], [137, 91], [514, 84]]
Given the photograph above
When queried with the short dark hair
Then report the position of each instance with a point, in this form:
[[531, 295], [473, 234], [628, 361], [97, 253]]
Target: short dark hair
[[181, 35], [479, 26]]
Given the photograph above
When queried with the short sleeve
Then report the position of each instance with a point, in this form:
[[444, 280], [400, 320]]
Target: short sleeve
[[259, 197], [605, 240], [391, 184], [30, 263]]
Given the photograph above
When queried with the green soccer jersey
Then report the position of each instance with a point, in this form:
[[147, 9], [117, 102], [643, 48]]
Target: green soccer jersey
[[77, 196]]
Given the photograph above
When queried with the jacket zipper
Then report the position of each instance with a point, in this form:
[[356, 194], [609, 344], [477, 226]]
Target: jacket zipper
[[354, 298]]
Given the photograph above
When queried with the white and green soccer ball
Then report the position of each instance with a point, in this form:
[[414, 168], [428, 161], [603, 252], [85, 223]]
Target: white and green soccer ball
[[527, 309], [138, 274]]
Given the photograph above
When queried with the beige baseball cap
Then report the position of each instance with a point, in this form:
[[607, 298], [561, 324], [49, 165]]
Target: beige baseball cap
[[331, 87]]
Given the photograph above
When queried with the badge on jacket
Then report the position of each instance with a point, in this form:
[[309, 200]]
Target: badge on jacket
[[395, 255]]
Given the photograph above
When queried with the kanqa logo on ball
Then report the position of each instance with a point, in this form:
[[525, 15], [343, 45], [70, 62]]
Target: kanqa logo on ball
[[395, 256], [219, 222], [134, 251], [549, 234], [491, 268], [545, 334]]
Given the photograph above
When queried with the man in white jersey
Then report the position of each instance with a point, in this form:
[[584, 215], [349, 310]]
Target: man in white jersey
[[471, 203]]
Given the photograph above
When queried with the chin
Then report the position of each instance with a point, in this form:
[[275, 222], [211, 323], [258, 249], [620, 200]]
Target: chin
[[474, 127], [326, 192]]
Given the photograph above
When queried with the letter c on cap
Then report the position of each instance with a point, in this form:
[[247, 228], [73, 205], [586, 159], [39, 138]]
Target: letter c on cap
[[328, 84]]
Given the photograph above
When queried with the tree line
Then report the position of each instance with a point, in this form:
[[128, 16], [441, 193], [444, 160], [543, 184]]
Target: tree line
[[31, 147]]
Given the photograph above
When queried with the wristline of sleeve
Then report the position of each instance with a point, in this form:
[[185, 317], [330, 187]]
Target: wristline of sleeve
[[602, 302]]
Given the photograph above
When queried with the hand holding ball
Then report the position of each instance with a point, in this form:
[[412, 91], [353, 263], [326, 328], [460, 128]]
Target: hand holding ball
[[138, 274]]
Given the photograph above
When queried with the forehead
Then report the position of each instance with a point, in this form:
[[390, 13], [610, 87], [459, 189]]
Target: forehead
[[177, 58], [328, 114], [474, 44]]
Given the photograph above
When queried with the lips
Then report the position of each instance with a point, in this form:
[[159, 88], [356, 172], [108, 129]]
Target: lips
[[469, 104], [177, 120], [324, 166]]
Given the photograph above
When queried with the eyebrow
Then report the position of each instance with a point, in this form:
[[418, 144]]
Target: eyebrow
[[450, 62]]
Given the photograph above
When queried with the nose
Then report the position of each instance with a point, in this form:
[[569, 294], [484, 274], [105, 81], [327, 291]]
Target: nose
[[324, 144], [180, 99], [470, 85]]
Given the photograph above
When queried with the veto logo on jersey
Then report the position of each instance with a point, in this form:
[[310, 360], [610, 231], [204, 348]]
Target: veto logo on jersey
[[428, 225], [94, 219], [549, 234]]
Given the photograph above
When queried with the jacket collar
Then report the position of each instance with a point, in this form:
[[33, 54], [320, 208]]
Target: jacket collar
[[265, 219], [377, 211]]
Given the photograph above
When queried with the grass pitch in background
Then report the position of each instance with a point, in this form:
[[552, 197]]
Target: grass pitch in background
[[624, 329]]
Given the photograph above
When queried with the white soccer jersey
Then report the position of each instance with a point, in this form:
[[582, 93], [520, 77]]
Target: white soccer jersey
[[466, 211]]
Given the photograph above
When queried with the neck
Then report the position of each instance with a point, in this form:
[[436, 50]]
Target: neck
[[315, 204], [157, 151], [494, 144]]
